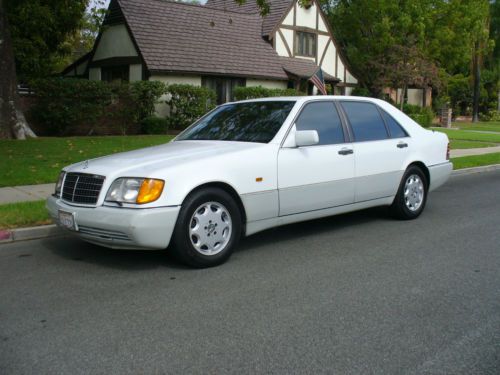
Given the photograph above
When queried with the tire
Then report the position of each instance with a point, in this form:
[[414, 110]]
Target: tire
[[208, 228], [411, 196]]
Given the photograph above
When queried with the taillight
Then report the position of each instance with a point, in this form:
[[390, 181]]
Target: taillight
[[448, 151]]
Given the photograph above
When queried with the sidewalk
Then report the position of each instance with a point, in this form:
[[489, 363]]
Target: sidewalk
[[474, 151], [28, 193], [25, 193]]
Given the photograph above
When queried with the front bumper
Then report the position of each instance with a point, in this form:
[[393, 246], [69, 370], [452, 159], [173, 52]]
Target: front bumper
[[439, 174], [118, 227]]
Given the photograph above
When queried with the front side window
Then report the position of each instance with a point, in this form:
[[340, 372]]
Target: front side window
[[244, 122], [324, 118], [305, 44], [365, 120]]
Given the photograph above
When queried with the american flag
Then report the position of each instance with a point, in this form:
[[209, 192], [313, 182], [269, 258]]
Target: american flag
[[318, 81]]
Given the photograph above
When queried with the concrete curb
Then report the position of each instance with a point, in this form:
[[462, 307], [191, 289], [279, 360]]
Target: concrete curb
[[45, 231], [466, 171], [32, 233]]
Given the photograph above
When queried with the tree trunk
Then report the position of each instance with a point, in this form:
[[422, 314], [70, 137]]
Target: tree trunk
[[12, 121], [477, 84]]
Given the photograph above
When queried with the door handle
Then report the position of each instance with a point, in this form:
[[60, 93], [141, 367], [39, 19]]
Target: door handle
[[346, 151], [402, 145]]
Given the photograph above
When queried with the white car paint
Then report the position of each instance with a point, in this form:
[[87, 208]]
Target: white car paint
[[297, 183]]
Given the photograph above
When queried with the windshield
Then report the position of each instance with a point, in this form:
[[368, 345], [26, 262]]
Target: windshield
[[244, 122]]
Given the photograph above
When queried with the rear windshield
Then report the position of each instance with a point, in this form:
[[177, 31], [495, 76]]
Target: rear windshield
[[244, 122]]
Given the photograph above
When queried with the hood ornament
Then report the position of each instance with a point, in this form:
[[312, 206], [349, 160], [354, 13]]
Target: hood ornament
[[85, 164]]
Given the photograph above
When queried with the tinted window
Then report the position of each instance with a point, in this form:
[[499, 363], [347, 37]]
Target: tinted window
[[365, 120], [322, 117], [245, 122], [394, 128]]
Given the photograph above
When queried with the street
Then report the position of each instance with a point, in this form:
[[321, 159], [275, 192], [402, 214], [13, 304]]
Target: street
[[354, 294]]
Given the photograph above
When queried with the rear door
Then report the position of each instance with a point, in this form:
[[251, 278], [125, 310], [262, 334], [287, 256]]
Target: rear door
[[319, 176], [380, 149]]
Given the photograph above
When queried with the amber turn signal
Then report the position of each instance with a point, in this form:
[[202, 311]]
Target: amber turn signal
[[150, 190]]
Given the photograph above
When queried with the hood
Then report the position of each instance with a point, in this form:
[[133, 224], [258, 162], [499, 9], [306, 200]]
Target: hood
[[144, 162]]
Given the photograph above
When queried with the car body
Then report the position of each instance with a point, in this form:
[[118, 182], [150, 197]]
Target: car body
[[304, 171]]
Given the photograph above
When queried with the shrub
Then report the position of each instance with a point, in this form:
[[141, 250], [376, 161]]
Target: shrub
[[154, 125], [424, 116], [145, 95], [188, 103], [361, 91], [65, 103], [243, 93]]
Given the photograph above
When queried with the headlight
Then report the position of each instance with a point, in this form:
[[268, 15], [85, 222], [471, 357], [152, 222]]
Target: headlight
[[135, 190], [59, 183]]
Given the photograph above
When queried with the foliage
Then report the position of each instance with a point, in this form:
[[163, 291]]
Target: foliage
[[38, 161], [188, 103], [422, 115], [39, 30], [63, 104], [460, 93], [243, 93], [361, 91], [154, 125]]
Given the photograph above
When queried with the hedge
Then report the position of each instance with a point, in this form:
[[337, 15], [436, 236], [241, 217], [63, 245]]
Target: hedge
[[188, 103], [422, 115], [243, 93], [65, 105]]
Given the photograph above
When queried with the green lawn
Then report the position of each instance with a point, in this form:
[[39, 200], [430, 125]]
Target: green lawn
[[467, 135], [24, 214], [458, 144], [37, 161], [476, 160], [492, 126]]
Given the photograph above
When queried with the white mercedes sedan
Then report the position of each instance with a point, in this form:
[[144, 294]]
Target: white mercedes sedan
[[248, 166]]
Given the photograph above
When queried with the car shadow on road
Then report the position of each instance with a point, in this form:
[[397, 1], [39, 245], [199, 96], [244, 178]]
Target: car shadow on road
[[74, 249], [314, 227]]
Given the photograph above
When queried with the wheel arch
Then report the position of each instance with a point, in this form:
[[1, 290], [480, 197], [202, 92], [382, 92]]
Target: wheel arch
[[228, 189], [424, 169]]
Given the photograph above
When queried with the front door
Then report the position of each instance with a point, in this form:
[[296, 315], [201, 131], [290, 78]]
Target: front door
[[319, 176]]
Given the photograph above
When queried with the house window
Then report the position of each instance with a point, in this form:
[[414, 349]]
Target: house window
[[305, 44], [115, 73], [223, 87]]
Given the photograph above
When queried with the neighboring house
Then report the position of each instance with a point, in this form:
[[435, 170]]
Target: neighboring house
[[414, 96], [219, 45]]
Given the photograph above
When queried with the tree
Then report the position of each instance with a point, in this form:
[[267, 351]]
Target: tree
[[12, 121], [32, 36]]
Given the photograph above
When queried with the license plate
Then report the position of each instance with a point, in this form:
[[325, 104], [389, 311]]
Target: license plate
[[67, 220]]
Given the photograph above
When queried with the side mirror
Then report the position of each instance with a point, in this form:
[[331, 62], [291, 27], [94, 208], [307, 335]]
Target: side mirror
[[306, 138]]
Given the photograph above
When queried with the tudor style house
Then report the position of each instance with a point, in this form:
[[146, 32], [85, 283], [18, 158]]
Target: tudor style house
[[219, 45]]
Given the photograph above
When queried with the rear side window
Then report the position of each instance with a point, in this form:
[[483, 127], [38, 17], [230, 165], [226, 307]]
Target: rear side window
[[324, 118], [365, 120], [394, 128]]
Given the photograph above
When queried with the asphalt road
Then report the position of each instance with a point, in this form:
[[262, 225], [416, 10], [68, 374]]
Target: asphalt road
[[354, 294]]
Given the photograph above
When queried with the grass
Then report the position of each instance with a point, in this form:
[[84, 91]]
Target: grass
[[491, 126], [476, 160], [467, 135], [38, 161], [23, 214], [458, 144]]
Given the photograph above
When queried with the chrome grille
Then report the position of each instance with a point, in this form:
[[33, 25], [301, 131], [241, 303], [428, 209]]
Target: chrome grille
[[82, 188]]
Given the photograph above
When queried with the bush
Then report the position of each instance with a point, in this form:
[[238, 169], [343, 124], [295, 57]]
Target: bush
[[66, 104], [424, 116], [188, 103], [154, 125], [361, 91], [244, 93]]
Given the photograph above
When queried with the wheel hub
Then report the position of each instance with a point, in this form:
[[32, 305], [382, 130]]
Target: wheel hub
[[414, 192]]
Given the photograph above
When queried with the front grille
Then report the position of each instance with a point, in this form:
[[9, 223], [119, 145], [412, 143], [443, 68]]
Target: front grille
[[82, 188]]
